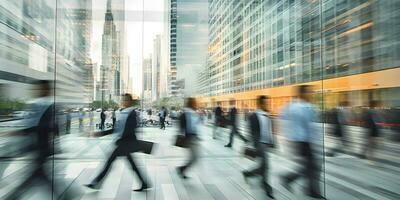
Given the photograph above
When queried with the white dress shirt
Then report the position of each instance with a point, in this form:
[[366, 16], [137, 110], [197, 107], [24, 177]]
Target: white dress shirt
[[265, 127]]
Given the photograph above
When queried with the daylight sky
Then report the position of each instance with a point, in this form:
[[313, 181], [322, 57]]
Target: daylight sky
[[138, 46]]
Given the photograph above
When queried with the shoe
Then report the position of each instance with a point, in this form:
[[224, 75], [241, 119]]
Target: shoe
[[268, 190], [144, 187], [228, 145], [180, 172], [92, 185]]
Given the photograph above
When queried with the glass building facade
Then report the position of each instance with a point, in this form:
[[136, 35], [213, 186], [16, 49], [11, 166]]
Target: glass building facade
[[222, 53]]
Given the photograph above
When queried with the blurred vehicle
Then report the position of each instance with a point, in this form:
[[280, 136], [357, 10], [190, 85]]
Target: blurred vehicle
[[75, 110], [98, 110]]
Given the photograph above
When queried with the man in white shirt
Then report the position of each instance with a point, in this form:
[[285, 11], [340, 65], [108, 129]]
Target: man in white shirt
[[298, 117], [261, 131]]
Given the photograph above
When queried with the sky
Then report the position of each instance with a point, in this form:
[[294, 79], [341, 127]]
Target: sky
[[138, 47]]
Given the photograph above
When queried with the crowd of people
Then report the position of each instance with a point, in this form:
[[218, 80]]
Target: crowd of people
[[297, 120]]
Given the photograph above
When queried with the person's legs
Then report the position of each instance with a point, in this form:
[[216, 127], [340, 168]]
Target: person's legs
[[138, 173], [192, 159], [231, 137], [106, 167]]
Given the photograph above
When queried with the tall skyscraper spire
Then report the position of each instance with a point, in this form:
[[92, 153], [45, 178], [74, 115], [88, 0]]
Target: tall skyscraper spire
[[109, 15]]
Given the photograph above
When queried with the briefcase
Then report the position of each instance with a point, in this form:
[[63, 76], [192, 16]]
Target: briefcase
[[181, 141], [250, 153], [145, 146]]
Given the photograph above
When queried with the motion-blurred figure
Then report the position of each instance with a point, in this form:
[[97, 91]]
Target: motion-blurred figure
[[233, 123], [42, 126], [162, 114], [81, 116], [114, 118], [102, 119], [126, 143], [299, 116], [370, 119], [91, 116], [261, 131], [340, 117], [189, 122], [218, 115], [68, 126]]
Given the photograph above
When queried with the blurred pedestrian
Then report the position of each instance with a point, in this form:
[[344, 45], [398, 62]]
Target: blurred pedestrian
[[102, 119], [261, 132], [298, 117], [126, 143], [81, 116], [218, 115], [162, 114], [68, 125], [43, 127], [340, 119], [370, 119], [189, 122], [114, 118], [233, 124], [91, 115]]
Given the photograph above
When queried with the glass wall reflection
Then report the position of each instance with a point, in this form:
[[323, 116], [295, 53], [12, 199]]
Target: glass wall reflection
[[325, 72]]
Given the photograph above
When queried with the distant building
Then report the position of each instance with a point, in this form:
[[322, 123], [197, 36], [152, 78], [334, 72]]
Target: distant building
[[147, 81]]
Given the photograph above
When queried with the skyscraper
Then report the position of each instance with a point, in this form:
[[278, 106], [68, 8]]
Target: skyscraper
[[147, 81], [156, 69], [171, 19], [264, 47], [111, 63]]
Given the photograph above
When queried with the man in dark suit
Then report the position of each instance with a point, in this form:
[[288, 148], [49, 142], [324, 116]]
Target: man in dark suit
[[261, 132], [233, 123], [218, 114], [126, 143], [162, 114], [102, 119], [189, 121], [42, 127]]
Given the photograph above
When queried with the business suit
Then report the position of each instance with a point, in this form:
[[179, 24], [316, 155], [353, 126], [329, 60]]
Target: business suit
[[188, 125], [234, 128], [218, 120], [43, 127], [261, 148], [125, 145]]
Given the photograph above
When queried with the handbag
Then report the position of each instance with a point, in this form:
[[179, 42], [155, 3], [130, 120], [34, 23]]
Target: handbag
[[181, 141], [250, 153]]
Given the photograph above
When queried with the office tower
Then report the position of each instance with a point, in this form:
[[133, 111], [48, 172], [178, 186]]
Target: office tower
[[171, 19], [264, 47], [147, 81], [156, 69], [110, 58], [191, 44]]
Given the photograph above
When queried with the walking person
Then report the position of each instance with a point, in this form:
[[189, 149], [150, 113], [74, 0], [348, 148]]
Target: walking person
[[298, 117], [189, 122], [233, 123], [102, 119], [261, 131], [162, 114], [114, 118], [371, 118], [126, 143], [218, 115], [91, 115], [43, 127], [81, 116], [68, 125], [340, 120]]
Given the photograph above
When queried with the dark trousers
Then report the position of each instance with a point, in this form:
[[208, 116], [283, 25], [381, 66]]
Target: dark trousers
[[194, 154], [309, 169], [162, 122], [234, 131], [68, 126], [102, 124], [113, 120], [262, 168], [119, 151]]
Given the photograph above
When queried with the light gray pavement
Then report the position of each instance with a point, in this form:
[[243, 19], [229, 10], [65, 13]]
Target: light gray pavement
[[216, 176]]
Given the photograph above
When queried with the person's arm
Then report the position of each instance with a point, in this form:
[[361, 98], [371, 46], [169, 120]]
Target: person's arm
[[182, 123]]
